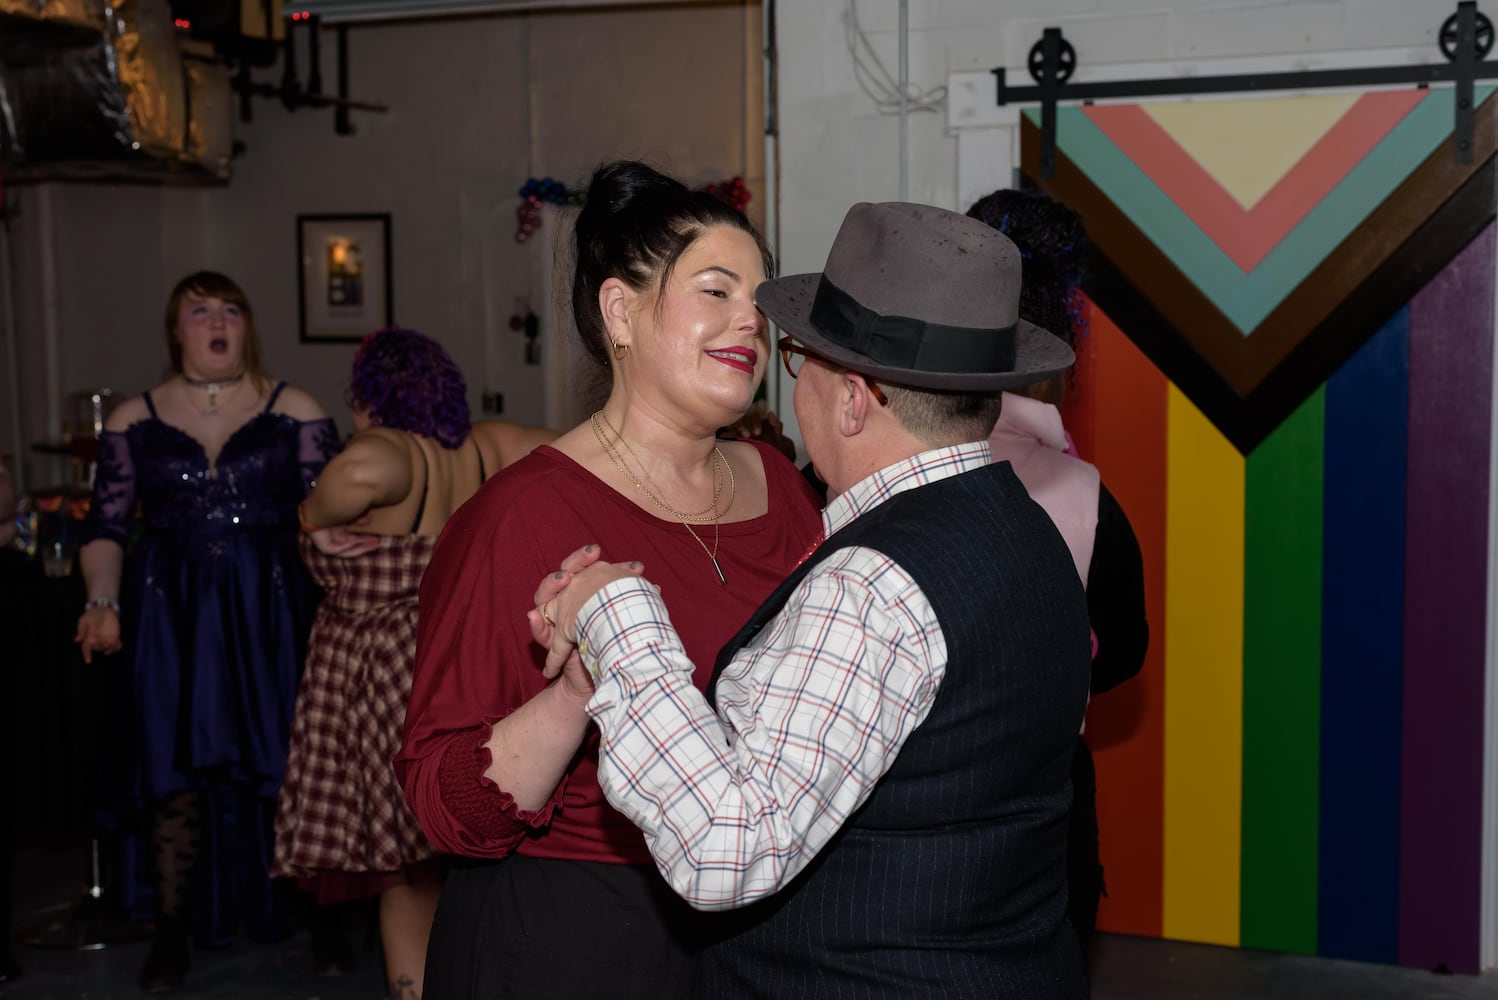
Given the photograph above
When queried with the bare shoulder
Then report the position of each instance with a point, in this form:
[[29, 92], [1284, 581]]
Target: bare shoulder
[[298, 405], [380, 439], [131, 411], [377, 453], [511, 441]]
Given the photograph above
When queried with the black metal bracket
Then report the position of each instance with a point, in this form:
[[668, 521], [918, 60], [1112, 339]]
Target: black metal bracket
[[342, 124], [292, 94], [1465, 39], [1052, 75], [1466, 63]]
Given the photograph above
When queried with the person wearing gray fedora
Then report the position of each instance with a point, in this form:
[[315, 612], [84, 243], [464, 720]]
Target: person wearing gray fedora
[[876, 783]]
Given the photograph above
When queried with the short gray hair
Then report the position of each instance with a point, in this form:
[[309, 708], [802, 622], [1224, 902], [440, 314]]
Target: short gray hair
[[942, 419]]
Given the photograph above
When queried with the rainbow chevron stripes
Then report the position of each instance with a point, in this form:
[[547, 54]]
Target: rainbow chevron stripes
[[1288, 385], [1249, 309], [1249, 257]]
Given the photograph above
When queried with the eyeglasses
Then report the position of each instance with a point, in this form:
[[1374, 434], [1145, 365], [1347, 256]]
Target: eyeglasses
[[793, 356]]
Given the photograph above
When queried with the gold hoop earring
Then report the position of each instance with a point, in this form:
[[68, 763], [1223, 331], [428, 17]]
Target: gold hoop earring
[[618, 350]]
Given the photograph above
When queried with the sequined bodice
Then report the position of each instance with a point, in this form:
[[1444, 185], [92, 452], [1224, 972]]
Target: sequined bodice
[[263, 470], [256, 481]]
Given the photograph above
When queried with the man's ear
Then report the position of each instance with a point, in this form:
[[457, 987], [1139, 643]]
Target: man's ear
[[616, 302], [853, 411]]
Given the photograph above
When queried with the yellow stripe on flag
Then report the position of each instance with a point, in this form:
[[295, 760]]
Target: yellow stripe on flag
[[1203, 678]]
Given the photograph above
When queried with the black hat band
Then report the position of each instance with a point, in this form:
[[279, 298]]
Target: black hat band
[[914, 344]]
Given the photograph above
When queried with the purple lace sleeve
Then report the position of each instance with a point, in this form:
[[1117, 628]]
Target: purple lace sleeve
[[113, 507], [319, 442]]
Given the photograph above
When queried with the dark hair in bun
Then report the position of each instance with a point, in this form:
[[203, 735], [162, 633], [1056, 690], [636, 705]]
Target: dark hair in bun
[[634, 226]]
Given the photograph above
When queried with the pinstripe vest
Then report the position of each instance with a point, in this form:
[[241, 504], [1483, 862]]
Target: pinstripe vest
[[950, 880]]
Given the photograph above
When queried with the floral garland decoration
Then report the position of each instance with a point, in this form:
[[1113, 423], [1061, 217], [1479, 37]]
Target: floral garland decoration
[[535, 192]]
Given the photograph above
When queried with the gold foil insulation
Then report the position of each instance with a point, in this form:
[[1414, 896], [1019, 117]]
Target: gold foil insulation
[[100, 89]]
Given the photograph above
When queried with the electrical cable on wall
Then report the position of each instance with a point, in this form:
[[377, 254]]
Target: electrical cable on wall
[[875, 79]]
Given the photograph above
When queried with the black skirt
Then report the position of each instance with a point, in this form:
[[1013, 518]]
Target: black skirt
[[522, 928]]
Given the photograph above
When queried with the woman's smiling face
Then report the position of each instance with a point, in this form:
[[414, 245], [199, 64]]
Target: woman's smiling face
[[703, 342]]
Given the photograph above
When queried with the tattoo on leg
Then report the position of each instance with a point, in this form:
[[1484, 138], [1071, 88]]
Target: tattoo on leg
[[403, 988]]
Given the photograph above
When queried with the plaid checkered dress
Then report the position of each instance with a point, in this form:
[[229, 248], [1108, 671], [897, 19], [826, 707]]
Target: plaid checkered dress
[[340, 806]]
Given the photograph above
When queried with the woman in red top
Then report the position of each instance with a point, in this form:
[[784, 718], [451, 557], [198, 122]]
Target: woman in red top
[[560, 898]]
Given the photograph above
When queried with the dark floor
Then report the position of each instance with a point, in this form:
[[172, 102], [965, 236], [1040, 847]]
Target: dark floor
[[1125, 968], [240, 972], [1130, 968]]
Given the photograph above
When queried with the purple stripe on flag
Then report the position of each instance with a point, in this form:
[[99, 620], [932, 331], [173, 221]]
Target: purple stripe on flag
[[1445, 605]]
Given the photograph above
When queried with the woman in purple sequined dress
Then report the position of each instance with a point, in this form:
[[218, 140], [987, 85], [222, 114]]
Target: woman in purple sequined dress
[[212, 606]]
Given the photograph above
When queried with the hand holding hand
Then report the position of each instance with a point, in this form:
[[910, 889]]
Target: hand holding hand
[[544, 631], [553, 622]]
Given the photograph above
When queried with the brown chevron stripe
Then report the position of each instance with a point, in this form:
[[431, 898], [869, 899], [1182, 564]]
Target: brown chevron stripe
[[1244, 362], [1388, 227], [1247, 385], [1114, 235]]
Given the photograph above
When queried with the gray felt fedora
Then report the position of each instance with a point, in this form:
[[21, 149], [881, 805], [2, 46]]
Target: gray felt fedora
[[917, 296]]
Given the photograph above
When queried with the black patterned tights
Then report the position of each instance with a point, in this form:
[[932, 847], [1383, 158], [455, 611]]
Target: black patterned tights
[[177, 829]]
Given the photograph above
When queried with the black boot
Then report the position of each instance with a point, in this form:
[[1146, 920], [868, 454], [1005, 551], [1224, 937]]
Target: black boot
[[166, 964]]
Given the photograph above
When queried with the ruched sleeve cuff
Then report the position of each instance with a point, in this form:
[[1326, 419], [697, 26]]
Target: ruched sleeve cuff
[[487, 811]]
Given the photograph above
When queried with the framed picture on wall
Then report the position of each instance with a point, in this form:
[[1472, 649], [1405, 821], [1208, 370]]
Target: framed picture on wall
[[343, 276]]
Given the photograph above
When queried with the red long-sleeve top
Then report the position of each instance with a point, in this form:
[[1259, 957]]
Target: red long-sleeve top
[[476, 662]]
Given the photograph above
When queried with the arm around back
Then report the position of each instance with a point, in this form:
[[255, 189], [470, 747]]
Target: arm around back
[[373, 470]]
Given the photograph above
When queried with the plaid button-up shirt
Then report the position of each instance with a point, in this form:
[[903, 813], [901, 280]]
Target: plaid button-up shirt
[[811, 714]]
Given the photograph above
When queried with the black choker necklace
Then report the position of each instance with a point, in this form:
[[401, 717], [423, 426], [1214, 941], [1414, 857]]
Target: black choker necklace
[[213, 388], [215, 384]]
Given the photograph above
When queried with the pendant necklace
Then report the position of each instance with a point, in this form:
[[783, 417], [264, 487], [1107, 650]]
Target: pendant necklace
[[713, 512], [213, 388]]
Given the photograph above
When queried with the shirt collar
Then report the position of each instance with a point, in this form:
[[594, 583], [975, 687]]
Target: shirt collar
[[918, 470], [1029, 418]]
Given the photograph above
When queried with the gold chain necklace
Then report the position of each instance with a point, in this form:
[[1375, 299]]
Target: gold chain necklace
[[709, 513], [614, 457]]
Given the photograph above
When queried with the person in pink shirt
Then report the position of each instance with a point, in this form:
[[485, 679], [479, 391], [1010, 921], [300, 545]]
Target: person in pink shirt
[[1030, 435]]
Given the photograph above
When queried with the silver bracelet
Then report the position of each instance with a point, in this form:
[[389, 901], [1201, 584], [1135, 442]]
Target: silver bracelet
[[102, 602]]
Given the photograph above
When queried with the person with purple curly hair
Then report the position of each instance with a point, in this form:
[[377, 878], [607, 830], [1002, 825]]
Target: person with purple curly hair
[[410, 383], [342, 825]]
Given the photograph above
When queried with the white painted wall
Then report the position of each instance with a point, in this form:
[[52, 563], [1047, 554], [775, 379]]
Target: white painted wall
[[836, 149]]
